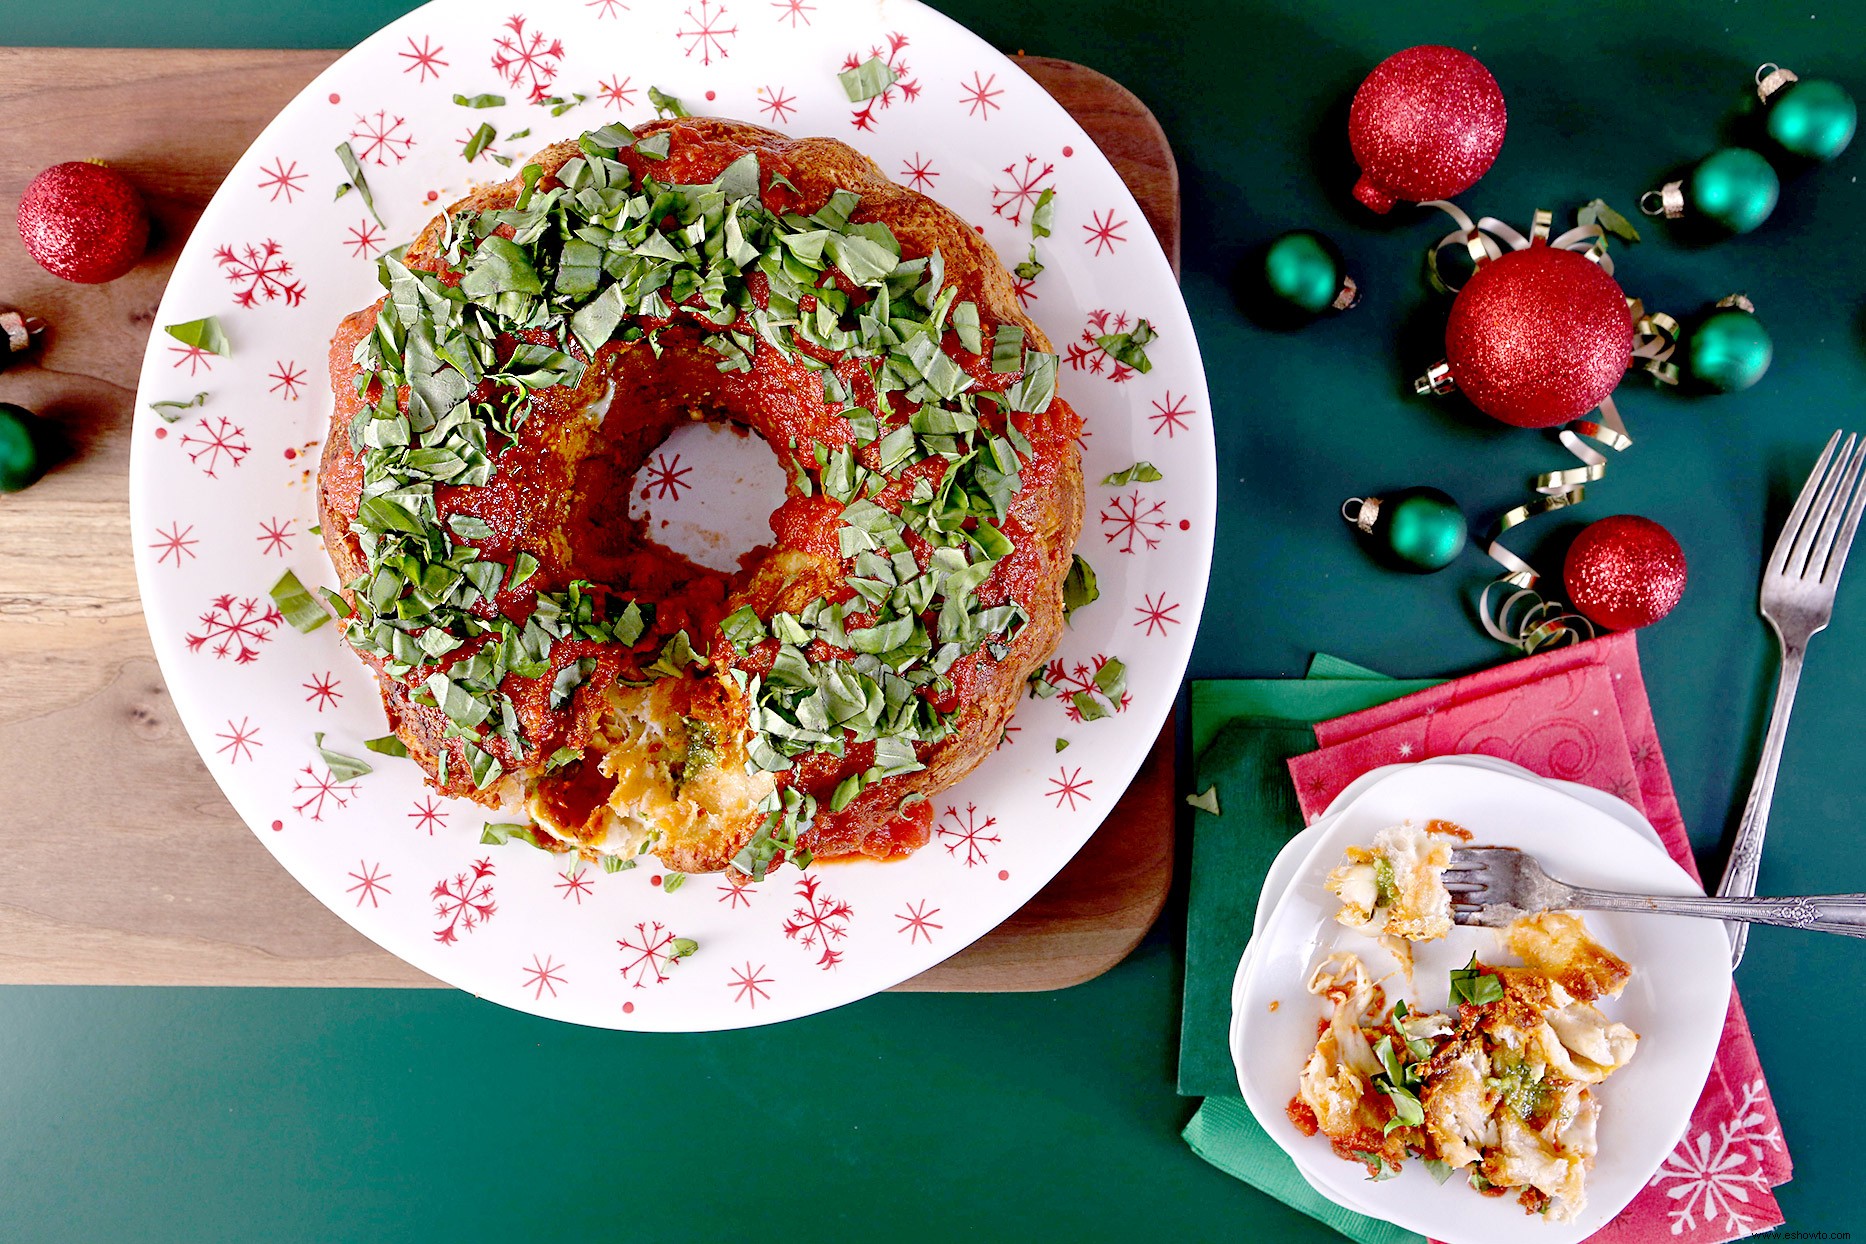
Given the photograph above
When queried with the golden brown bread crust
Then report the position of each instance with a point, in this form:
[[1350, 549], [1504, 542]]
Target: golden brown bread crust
[[554, 495]]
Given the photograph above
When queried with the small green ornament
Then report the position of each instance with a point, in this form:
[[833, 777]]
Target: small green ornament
[[1729, 349], [1305, 270], [19, 453], [1808, 117], [1415, 529], [1734, 187]]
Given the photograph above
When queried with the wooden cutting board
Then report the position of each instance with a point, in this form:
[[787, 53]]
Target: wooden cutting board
[[124, 864]]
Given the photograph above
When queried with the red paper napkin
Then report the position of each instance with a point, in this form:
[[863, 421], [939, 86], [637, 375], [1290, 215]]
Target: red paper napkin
[[1580, 714]]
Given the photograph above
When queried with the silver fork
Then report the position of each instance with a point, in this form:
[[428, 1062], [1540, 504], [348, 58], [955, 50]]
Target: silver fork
[[1491, 886], [1798, 600]]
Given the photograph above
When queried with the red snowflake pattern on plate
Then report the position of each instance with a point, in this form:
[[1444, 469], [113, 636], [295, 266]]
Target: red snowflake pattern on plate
[[234, 627], [282, 178], [969, 835], [819, 922], [905, 87], [748, 984], [379, 138], [1028, 181], [735, 894], [919, 173], [1155, 614], [1171, 414], [606, 8], [424, 58], [261, 272], [364, 239], [177, 542], [463, 902], [369, 878], [707, 36], [543, 974], [1086, 354], [428, 814], [1025, 287], [323, 689], [213, 439], [616, 92], [1068, 786], [526, 60], [241, 740], [777, 103], [276, 536], [574, 882], [649, 953], [917, 921], [1105, 234], [666, 477], [195, 357], [980, 96], [316, 791], [1069, 680], [286, 378], [793, 11], [1134, 521]]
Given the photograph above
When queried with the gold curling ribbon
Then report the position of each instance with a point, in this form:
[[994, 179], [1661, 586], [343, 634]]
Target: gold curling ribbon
[[1510, 608]]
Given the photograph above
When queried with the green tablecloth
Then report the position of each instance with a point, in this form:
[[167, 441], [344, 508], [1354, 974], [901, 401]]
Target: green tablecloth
[[199, 1115]]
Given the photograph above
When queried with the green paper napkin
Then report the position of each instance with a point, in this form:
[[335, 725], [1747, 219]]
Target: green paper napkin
[[1243, 732]]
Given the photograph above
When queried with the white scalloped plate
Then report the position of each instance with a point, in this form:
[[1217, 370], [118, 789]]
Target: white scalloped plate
[[222, 498]]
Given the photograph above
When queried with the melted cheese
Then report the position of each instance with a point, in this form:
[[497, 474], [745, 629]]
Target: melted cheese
[[1395, 888]]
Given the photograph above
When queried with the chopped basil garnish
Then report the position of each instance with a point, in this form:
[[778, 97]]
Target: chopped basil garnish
[[1206, 800], [500, 833], [1030, 269], [481, 138], [170, 411], [867, 80], [1469, 984], [1062, 744], [1130, 347], [672, 882], [480, 101], [353, 168], [1079, 586], [1438, 1169], [1140, 472], [299, 606], [666, 105], [203, 334], [682, 947], [1043, 215], [387, 745], [342, 768]]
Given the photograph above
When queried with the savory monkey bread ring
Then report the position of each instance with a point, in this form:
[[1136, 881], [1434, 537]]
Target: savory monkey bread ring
[[540, 339]]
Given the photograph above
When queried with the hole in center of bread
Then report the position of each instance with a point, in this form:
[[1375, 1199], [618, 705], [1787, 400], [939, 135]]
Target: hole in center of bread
[[707, 493]]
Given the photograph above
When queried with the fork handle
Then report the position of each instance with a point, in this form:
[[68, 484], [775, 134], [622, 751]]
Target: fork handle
[[1824, 913], [1739, 875]]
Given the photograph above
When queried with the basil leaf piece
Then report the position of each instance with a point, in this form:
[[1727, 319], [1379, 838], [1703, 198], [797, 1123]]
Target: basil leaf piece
[[299, 606], [1471, 985], [1043, 215], [1111, 680], [481, 139], [498, 834], [1036, 388], [353, 169], [616, 864], [342, 768], [666, 105], [480, 101], [1030, 269], [1438, 1169], [1079, 587], [1598, 213], [387, 745], [1206, 800], [682, 947], [1061, 744], [867, 80], [672, 881], [202, 334], [499, 266], [1130, 348], [170, 411], [1140, 472]]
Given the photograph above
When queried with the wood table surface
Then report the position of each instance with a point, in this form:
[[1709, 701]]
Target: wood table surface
[[124, 864]]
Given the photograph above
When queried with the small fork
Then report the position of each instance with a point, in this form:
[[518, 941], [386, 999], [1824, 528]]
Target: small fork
[[1492, 886], [1798, 588]]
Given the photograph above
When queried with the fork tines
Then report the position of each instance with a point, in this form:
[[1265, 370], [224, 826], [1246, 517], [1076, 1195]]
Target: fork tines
[[1819, 531]]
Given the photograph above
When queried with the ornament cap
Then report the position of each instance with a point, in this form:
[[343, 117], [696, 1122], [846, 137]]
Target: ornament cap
[[1437, 379], [1771, 78], [1349, 296], [1366, 512], [1740, 301], [1667, 201]]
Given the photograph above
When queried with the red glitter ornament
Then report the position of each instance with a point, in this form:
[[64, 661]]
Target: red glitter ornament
[[1426, 124], [83, 222], [1539, 336], [1624, 572]]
